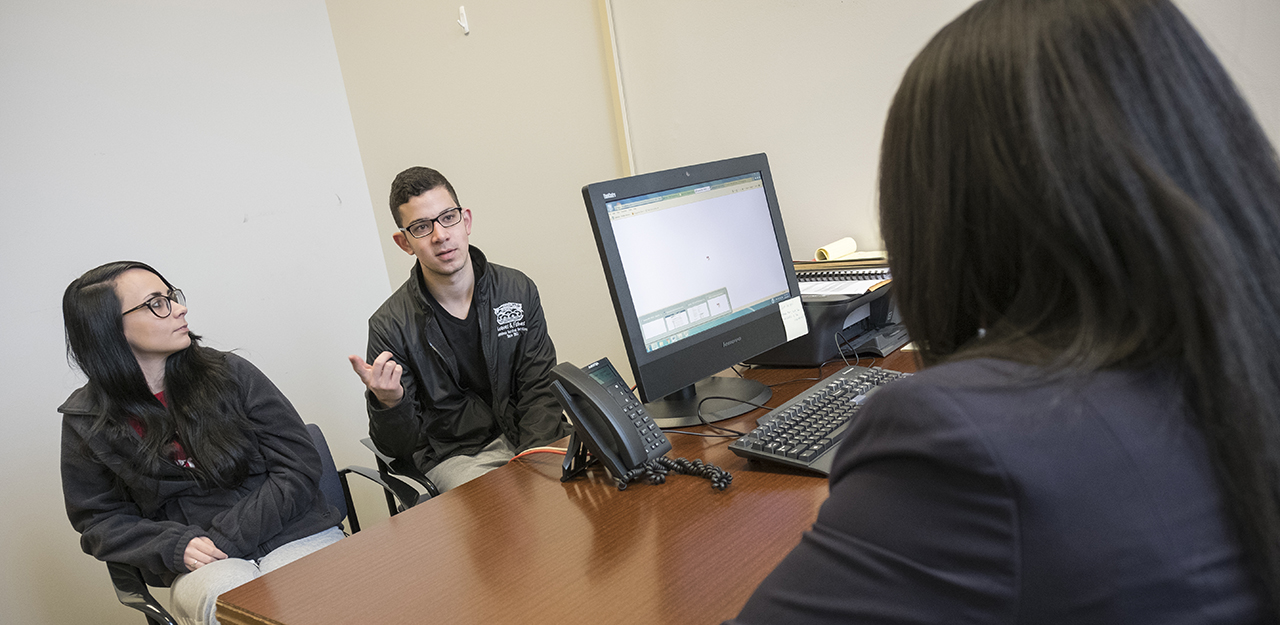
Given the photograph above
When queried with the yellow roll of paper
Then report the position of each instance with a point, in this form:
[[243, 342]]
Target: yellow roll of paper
[[837, 250]]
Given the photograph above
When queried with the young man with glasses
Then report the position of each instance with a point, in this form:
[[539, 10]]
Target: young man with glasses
[[458, 357]]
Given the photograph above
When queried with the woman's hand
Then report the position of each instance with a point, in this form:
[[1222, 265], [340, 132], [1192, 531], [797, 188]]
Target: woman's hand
[[201, 551]]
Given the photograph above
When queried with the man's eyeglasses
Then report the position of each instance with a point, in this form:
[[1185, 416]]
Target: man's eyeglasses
[[160, 305], [423, 227]]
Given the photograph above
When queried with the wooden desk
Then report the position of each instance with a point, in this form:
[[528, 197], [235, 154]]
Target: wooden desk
[[519, 546]]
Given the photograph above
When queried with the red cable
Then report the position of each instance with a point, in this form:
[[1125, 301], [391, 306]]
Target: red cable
[[539, 450]]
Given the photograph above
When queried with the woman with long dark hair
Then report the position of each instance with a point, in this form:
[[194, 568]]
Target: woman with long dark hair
[[176, 458], [1083, 222]]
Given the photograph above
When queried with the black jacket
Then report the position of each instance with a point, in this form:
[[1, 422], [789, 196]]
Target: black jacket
[[437, 418], [985, 491], [147, 520]]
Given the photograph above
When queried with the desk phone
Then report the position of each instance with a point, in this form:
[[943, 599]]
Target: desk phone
[[607, 418]]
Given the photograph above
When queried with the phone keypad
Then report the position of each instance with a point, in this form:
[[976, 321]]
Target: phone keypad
[[649, 432]]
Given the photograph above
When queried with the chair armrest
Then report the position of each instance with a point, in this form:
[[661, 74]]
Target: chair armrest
[[407, 495], [387, 464], [132, 591], [382, 458]]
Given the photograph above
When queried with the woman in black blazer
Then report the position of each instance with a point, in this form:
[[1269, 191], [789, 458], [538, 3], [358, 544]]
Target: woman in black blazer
[[1083, 223]]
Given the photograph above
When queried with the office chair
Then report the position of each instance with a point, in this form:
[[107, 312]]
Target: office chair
[[336, 489], [132, 590], [390, 467]]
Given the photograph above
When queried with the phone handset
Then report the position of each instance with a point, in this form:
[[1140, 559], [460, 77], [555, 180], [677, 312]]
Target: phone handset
[[607, 418]]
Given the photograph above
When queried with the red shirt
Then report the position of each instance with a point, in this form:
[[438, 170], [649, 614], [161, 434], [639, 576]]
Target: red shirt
[[176, 451]]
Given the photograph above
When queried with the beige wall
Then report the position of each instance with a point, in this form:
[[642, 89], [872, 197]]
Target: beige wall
[[519, 113], [516, 114], [810, 83], [807, 83]]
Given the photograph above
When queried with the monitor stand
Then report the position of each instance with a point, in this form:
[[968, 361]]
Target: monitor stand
[[680, 409]]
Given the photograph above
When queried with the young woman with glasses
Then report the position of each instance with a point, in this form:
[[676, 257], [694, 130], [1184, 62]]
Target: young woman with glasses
[[181, 460]]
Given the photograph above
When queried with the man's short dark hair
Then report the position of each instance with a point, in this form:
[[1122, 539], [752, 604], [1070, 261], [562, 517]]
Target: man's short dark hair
[[413, 182]]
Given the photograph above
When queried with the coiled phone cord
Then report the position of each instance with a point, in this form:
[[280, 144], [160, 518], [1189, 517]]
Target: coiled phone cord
[[655, 472]]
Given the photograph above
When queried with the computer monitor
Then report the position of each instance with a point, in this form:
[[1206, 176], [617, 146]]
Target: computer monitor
[[700, 273]]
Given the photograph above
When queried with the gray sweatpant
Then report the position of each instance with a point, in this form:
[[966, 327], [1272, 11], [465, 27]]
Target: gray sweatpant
[[193, 597]]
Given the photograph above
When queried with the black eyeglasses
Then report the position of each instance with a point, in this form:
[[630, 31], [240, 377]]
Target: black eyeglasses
[[423, 227], [159, 305]]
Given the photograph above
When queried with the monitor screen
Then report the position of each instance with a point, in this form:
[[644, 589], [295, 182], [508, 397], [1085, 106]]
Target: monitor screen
[[698, 265]]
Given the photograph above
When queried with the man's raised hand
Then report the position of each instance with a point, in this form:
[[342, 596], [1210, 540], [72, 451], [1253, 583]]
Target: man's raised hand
[[382, 378]]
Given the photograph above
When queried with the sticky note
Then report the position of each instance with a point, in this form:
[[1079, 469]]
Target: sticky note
[[793, 321]]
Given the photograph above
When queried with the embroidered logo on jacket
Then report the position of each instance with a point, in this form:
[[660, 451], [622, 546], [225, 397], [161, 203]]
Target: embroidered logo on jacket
[[510, 318]]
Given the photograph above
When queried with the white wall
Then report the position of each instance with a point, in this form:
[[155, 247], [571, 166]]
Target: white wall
[[213, 141]]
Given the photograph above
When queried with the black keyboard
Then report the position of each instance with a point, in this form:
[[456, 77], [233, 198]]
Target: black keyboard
[[806, 431]]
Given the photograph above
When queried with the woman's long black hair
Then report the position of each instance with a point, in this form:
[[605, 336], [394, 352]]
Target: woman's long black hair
[[204, 410], [1081, 183]]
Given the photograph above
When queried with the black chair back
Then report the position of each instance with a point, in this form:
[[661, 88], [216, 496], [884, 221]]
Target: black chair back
[[330, 484]]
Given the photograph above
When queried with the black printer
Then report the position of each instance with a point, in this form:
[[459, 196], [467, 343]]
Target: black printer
[[841, 325]]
